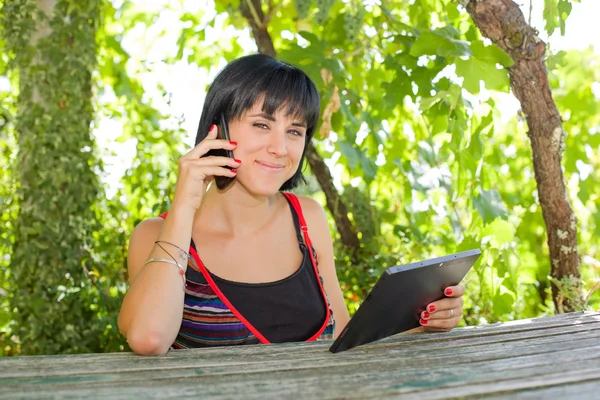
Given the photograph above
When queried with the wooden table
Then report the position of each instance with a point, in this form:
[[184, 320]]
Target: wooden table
[[552, 357]]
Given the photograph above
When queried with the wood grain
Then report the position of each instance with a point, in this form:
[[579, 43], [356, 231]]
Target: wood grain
[[511, 360]]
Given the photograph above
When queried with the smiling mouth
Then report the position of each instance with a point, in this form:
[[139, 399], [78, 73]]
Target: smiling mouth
[[271, 167]]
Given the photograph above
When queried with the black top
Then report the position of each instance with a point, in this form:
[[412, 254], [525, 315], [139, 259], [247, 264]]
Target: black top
[[288, 310]]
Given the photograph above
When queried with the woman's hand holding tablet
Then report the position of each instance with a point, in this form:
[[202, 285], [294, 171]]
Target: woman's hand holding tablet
[[444, 314]]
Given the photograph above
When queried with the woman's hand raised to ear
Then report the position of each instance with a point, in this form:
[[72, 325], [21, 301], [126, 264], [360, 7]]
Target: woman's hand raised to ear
[[195, 172], [444, 314]]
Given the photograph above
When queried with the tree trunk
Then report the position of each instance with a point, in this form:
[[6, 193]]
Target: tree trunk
[[504, 24], [54, 48], [335, 205]]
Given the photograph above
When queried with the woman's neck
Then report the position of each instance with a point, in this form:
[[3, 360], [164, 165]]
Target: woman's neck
[[235, 212]]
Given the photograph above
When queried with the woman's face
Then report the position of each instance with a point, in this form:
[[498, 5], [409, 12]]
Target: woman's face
[[269, 147]]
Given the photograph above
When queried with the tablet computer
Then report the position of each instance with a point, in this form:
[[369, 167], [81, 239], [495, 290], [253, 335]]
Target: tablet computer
[[402, 292]]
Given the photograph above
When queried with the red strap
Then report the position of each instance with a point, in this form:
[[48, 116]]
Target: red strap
[[225, 300], [304, 228], [221, 296]]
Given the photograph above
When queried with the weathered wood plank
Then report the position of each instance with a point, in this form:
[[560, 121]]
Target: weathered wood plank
[[357, 385], [577, 390], [507, 388], [411, 356], [310, 353], [483, 331], [496, 360], [372, 378]]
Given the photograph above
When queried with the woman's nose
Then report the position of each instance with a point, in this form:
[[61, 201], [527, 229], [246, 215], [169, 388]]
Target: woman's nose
[[277, 144]]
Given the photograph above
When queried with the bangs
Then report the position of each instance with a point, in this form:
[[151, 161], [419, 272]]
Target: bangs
[[260, 78], [280, 87]]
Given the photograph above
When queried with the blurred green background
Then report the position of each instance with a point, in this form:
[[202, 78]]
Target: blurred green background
[[423, 142]]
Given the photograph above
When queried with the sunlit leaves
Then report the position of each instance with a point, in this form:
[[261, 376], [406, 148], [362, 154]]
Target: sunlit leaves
[[443, 42], [500, 233], [556, 13], [489, 204], [441, 170], [302, 8], [482, 67]]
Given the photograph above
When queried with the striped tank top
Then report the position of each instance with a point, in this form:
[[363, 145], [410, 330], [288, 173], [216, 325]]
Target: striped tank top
[[209, 318]]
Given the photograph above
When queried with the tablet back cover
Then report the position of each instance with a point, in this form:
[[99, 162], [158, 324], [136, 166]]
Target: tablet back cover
[[395, 303]]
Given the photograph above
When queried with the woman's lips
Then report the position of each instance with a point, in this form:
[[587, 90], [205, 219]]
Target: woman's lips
[[270, 167]]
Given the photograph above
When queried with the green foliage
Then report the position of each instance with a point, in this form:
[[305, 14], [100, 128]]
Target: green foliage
[[57, 185], [302, 8], [423, 157], [556, 13]]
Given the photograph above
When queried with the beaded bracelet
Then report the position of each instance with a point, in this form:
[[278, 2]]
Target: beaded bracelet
[[181, 270]]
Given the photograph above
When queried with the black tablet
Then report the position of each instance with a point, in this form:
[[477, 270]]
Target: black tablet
[[402, 292]]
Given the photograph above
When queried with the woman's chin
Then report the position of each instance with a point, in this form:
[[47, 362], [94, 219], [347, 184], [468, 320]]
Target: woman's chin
[[262, 188]]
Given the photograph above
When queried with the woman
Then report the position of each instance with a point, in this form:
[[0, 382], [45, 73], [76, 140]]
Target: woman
[[252, 274]]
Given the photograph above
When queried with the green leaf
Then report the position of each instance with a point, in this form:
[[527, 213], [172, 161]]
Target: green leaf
[[490, 205], [368, 166], [351, 152], [425, 152], [556, 13], [475, 70], [313, 40], [550, 15], [440, 42], [501, 232], [492, 54], [450, 96], [564, 10], [503, 301]]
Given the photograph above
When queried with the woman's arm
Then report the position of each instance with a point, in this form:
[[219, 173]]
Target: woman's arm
[[318, 229], [152, 309]]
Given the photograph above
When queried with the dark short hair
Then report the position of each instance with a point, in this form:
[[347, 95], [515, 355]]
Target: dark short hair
[[243, 81]]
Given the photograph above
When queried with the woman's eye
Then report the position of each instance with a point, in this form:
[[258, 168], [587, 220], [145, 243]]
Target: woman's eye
[[262, 126], [295, 132]]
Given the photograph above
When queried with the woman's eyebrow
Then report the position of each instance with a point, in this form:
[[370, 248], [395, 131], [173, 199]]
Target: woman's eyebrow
[[271, 118], [264, 115]]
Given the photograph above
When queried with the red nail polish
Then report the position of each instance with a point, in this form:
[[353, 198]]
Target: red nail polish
[[423, 321], [233, 143], [432, 308], [425, 314], [237, 161], [234, 170], [448, 292], [211, 127]]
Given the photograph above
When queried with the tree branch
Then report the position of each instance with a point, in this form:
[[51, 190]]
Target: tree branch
[[504, 24], [257, 20], [252, 11]]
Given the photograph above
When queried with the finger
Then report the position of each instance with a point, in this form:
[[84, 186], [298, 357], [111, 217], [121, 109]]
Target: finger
[[217, 161], [210, 142], [439, 324], [443, 314], [209, 170], [444, 304], [454, 291]]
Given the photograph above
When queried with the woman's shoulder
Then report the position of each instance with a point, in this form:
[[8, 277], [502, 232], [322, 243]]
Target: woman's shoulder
[[150, 227], [313, 211], [309, 205]]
